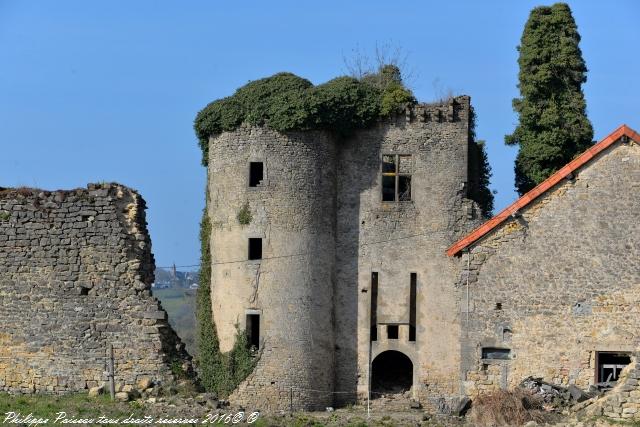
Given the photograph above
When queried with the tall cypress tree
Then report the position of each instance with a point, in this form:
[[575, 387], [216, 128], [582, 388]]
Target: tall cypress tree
[[553, 126]]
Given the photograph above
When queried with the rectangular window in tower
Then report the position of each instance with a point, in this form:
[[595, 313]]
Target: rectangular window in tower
[[374, 307], [412, 306], [253, 331], [396, 177], [255, 248], [256, 173], [392, 332]]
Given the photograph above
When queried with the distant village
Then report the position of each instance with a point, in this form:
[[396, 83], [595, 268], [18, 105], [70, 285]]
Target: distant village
[[171, 278]]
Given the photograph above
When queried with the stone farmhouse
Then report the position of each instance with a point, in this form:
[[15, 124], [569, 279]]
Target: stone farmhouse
[[367, 268]]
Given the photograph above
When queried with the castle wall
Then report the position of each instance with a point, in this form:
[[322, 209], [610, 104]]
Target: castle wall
[[558, 284], [291, 287], [325, 229], [395, 239], [75, 272]]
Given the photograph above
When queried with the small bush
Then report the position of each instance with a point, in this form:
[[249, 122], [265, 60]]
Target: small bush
[[177, 370], [507, 408], [4, 216], [244, 215]]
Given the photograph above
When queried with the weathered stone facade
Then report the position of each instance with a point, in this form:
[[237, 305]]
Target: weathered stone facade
[[557, 285], [75, 274], [325, 230]]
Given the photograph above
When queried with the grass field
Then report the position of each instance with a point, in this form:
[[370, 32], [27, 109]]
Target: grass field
[[76, 406], [180, 305]]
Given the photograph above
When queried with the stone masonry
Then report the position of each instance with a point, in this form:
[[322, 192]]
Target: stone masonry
[[75, 274], [557, 285], [325, 230], [622, 403]]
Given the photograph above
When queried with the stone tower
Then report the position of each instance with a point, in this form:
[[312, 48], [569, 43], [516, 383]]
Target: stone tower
[[274, 276], [343, 259]]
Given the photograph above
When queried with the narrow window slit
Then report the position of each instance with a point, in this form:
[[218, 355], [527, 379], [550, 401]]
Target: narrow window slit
[[253, 331], [256, 173], [255, 248]]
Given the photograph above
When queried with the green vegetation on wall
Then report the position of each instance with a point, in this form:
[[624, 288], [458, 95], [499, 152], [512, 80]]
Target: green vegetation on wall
[[244, 215], [553, 125], [286, 102], [218, 372]]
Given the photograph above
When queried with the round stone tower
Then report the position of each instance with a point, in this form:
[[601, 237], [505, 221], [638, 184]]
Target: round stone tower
[[271, 204]]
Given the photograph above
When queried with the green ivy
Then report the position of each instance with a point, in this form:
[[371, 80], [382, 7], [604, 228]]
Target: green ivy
[[209, 357], [219, 372], [286, 102]]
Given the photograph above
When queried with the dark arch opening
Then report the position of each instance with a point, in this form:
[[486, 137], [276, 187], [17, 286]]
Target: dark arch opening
[[391, 372]]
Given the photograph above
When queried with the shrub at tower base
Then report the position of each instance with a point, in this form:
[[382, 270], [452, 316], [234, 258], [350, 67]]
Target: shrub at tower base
[[219, 372]]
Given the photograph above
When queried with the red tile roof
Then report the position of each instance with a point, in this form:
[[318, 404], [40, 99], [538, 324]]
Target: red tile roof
[[541, 188]]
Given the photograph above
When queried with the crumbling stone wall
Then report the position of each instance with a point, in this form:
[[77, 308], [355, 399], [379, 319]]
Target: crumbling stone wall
[[75, 274], [622, 403], [558, 282]]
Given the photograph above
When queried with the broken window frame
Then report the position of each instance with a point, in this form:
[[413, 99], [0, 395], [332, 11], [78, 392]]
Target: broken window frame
[[617, 367], [397, 175]]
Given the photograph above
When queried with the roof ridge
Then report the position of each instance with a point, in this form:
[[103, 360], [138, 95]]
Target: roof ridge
[[543, 187]]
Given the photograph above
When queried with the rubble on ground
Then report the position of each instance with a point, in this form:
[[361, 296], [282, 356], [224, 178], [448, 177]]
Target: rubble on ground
[[556, 395]]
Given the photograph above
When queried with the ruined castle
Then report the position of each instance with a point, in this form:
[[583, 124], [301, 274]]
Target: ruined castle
[[357, 275], [357, 265]]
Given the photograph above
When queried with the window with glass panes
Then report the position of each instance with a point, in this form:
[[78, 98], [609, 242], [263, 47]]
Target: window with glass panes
[[396, 177]]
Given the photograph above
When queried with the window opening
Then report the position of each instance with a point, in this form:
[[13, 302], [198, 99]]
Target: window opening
[[496, 353], [392, 332], [610, 364], [256, 173], [412, 307], [255, 248], [396, 177], [374, 306], [253, 331]]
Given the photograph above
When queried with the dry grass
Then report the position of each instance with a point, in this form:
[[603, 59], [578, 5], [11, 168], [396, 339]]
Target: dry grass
[[507, 408]]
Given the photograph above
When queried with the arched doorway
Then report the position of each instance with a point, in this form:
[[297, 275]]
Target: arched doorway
[[391, 373]]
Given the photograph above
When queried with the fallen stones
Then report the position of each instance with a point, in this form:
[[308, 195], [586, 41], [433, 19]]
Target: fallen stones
[[554, 394], [96, 391], [122, 396]]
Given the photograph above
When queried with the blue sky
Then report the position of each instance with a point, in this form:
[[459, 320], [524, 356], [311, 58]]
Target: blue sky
[[107, 91]]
